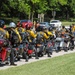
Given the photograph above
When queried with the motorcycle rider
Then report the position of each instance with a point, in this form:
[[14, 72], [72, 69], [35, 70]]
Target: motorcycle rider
[[23, 35], [72, 34], [3, 30], [31, 33], [6, 37], [48, 41], [13, 31], [48, 32], [31, 39], [73, 29], [20, 28], [63, 30], [45, 36], [14, 38]]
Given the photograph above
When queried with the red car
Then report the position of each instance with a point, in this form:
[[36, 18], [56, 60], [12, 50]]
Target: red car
[[24, 23]]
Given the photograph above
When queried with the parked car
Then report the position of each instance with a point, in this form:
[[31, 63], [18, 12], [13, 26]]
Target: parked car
[[56, 23], [25, 22], [46, 24]]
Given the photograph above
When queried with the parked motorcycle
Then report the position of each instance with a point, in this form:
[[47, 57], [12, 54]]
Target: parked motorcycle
[[28, 47], [62, 43], [5, 51], [40, 47], [49, 47]]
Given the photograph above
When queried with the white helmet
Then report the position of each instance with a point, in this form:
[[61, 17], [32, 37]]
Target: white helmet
[[12, 24]]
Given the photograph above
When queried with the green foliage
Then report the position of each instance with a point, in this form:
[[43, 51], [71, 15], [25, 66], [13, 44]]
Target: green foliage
[[33, 7], [13, 4], [72, 5], [35, 1], [24, 7], [43, 7], [62, 2], [5, 7]]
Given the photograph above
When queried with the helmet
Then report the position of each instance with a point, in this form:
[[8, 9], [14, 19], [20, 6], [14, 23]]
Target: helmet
[[12, 24], [2, 23]]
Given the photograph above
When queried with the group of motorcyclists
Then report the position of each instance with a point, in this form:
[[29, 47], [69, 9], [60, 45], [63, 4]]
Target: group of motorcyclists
[[17, 42]]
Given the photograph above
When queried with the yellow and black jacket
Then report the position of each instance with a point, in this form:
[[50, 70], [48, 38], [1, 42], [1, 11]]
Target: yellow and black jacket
[[48, 33], [41, 37], [20, 29], [4, 32], [31, 36], [14, 35], [45, 36], [31, 33]]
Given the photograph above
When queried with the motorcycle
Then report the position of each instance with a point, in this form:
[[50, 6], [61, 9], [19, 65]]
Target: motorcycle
[[27, 46], [49, 47], [4, 51], [40, 47], [72, 42], [62, 43]]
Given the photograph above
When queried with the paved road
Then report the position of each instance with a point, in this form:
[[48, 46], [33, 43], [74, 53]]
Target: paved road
[[21, 62]]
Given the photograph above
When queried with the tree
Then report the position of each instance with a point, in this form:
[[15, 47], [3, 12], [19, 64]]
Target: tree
[[33, 7], [28, 8], [55, 5], [72, 6], [4, 7]]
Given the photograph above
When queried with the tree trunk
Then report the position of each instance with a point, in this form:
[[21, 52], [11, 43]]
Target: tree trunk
[[67, 15], [32, 16], [29, 15]]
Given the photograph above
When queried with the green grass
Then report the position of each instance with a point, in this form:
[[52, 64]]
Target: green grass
[[62, 65], [67, 23]]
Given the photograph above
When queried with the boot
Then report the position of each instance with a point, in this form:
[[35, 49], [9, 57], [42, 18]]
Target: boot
[[49, 55]]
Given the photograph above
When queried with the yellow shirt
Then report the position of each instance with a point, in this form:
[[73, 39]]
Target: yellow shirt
[[73, 29]]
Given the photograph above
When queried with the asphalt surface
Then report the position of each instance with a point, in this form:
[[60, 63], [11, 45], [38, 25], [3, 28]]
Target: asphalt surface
[[22, 61]]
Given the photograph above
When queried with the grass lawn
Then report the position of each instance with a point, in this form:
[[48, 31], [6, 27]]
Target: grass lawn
[[62, 65], [67, 23]]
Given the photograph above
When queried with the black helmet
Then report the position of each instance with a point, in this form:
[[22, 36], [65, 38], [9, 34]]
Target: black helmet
[[2, 23]]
